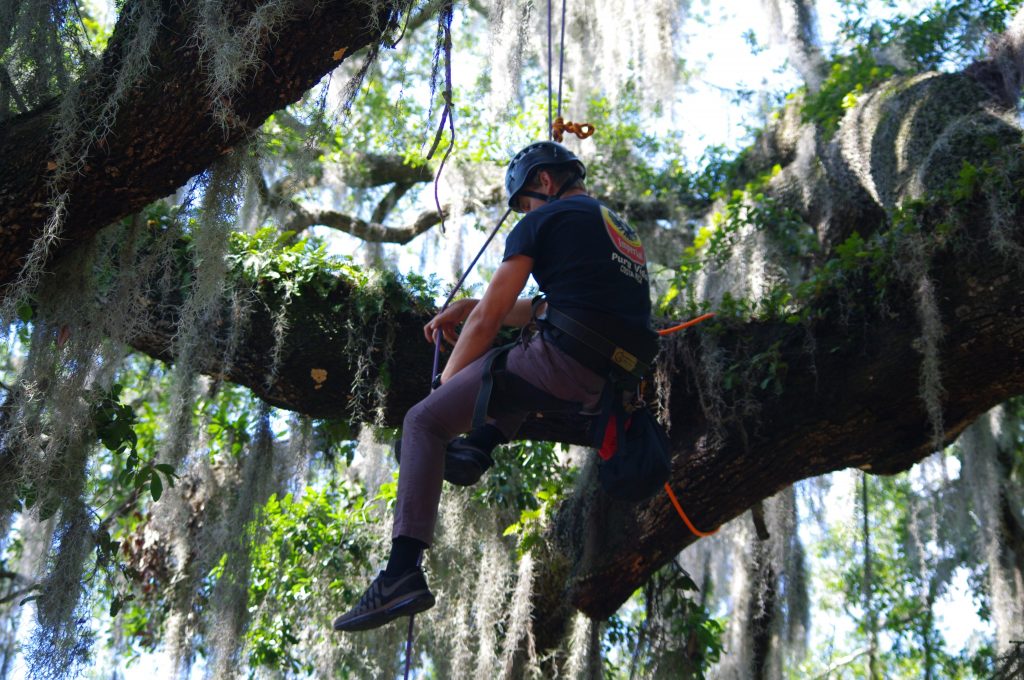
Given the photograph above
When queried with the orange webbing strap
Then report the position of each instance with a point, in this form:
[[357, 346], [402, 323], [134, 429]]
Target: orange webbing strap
[[687, 324], [581, 130], [686, 520]]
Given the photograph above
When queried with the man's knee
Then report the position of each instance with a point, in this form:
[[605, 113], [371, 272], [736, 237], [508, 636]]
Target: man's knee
[[415, 417]]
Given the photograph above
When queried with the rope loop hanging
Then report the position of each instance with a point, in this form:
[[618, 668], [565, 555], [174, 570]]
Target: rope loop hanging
[[557, 127], [581, 130]]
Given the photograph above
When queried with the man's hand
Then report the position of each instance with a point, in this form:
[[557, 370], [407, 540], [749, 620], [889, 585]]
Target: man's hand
[[446, 321]]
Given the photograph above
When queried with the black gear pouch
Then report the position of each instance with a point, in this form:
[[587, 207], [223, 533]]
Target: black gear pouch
[[634, 449]]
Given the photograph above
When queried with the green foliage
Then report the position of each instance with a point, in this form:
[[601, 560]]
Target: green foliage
[[636, 160], [528, 479], [312, 551], [667, 628], [744, 210], [115, 427], [276, 260], [942, 34], [912, 563], [849, 77]]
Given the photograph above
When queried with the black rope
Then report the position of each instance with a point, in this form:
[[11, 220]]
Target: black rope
[[561, 66]]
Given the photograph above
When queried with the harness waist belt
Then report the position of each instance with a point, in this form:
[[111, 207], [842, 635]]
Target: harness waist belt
[[607, 352]]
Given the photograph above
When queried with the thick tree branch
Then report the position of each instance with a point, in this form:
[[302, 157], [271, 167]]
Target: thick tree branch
[[164, 131]]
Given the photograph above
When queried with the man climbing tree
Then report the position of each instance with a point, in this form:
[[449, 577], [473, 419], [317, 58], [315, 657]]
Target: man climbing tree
[[590, 266]]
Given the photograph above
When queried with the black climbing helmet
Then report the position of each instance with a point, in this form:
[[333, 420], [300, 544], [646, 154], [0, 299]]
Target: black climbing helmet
[[535, 156]]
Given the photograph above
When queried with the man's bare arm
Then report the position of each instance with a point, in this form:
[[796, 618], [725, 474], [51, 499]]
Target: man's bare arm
[[499, 301]]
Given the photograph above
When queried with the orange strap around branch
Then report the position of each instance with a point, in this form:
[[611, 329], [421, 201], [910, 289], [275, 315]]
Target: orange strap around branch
[[686, 520], [686, 324], [581, 130]]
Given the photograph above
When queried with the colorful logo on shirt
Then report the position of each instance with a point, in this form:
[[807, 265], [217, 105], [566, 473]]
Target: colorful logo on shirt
[[624, 237]]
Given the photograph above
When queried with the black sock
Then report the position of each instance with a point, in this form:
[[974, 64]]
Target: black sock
[[486, 437], [405, 554]]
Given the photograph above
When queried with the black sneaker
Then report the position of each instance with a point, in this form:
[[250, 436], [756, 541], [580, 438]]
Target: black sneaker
[[386, 599], [464, 463]]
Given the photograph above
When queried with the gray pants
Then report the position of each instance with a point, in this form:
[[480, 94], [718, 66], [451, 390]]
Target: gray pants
[[448, 412]]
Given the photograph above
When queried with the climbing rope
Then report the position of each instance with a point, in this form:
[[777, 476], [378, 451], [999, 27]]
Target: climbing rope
[[556, 126], [581, 130], [686, 520], [686, 324], [456, 288], [668, 489]]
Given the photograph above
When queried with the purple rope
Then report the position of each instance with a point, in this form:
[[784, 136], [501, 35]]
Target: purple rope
[[550, 65], [408, 647]]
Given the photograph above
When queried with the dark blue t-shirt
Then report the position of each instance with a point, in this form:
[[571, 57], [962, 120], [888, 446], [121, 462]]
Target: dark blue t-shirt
[[586, 259]]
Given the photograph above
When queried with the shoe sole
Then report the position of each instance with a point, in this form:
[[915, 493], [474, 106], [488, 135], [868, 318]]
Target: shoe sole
[[375, 619], [463, 475]]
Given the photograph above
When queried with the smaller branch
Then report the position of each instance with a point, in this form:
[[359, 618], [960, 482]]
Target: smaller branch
[[288, 186], [8, 84], [387, 204], [845, 661], [374, 170], [127, 505], [372, 232], [18, 593]]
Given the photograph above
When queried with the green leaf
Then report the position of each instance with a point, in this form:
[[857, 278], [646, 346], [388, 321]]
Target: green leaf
[[25, 312], [156, 487]]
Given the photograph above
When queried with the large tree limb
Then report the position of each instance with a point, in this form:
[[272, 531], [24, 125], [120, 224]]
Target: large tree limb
[[164, 132]]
